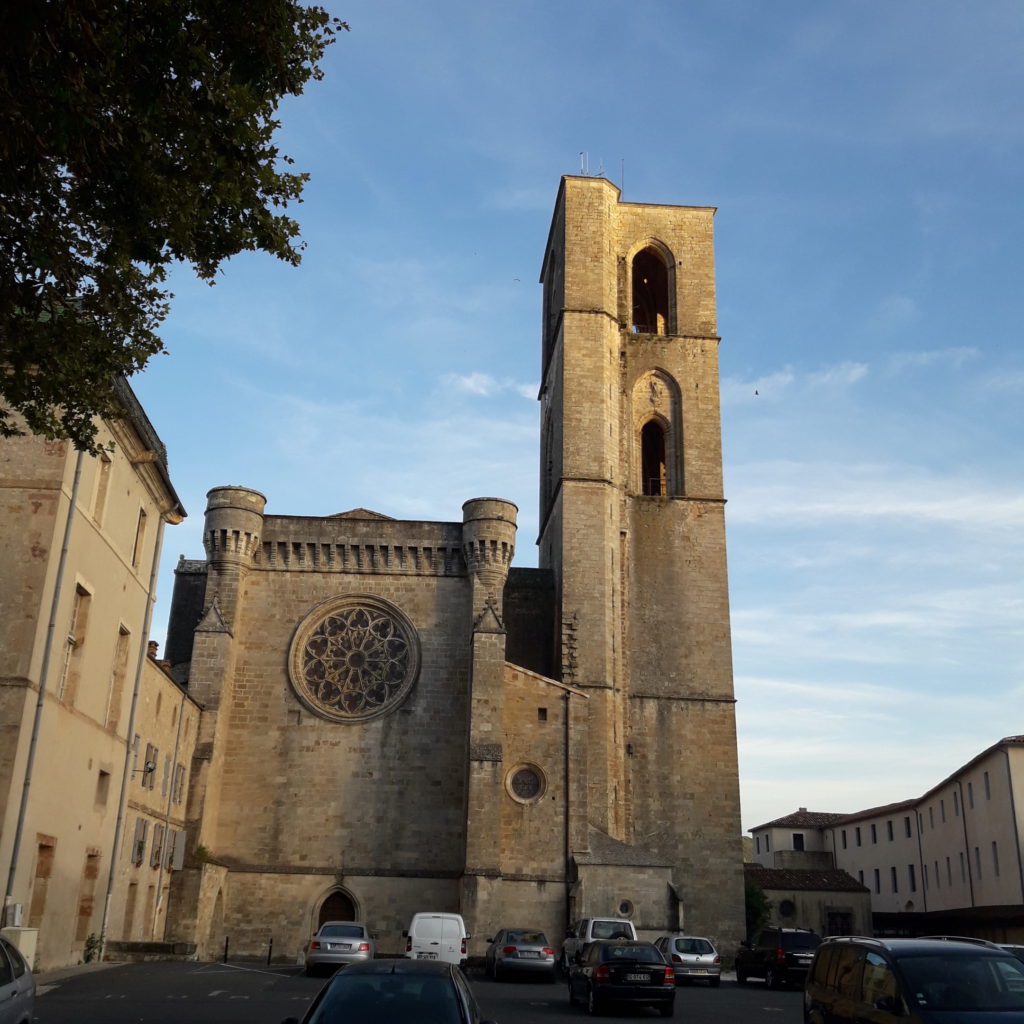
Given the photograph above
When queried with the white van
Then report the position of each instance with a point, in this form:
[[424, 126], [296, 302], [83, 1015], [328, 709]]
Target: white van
[[437, 937]]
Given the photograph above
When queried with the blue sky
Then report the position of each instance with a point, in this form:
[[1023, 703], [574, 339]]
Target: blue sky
[[866, 161]]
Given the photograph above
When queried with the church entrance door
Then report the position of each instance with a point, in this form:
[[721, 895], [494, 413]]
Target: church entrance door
[[337, 907]]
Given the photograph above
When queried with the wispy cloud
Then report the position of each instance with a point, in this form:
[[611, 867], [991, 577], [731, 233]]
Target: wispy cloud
[[944, 358], [485, 385]]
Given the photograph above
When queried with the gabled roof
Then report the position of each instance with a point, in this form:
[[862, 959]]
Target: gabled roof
[[802, 879], [361, 513], [803, 818]]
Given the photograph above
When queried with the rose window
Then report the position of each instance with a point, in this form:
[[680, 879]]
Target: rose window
[[354, 658]]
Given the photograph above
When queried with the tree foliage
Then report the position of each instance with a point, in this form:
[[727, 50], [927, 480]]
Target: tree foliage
[[758, 907], [132, 136]]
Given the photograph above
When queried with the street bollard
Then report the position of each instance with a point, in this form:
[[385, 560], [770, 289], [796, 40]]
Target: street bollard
[[225, 949], [270, 949]]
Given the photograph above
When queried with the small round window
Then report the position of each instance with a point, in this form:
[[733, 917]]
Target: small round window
[[525, 783]]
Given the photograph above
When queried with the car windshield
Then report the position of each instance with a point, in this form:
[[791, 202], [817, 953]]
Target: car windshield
[[611, 930], [965, 982], [642, 953], [390, 998], [698, 946], [800, 940], [527, 938], [341, 931]]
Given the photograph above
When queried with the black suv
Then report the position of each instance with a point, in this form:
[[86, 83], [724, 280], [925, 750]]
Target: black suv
[[935, 980], [780, 956]]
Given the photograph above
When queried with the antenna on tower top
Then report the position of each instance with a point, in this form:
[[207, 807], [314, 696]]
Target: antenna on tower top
[[584, 157]]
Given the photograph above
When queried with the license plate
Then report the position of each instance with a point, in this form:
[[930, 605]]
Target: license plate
[[528, 952], [638, 977], [339, 945], [698, 970], [426, 956]]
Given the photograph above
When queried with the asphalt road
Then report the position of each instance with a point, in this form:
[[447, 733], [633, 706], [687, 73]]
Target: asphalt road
[[213, 993]]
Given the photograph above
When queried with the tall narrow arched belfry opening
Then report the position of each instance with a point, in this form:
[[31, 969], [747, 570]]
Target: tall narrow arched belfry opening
[[650, 292], [337, 907], [654, 473]]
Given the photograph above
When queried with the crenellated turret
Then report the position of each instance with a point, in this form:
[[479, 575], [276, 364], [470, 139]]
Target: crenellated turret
[[234, 526], [488, 544]]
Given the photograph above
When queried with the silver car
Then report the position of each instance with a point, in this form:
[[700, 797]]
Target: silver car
[[520, 951], [693, 957], [338, 943], [17, 986]]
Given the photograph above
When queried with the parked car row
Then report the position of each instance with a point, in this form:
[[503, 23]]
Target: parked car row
[[430, 936]]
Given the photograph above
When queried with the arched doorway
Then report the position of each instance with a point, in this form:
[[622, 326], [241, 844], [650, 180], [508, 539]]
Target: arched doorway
[[337, 907]]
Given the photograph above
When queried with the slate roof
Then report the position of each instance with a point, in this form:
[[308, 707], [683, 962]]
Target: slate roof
[[803, 879], [605, 850], [803, 818]]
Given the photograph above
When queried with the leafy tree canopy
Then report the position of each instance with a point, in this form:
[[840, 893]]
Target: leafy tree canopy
[[132, 135]]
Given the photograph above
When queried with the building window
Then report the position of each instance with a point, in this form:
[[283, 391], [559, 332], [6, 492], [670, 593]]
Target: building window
[[988, 791], [956, 804], [942, 811], [75, 640], [178, 789], [892, 876], [767, 843], [140, 538], [931, 817], [926, 883], [138, 851], [652, 455], [102, 789], [798, 840], [856, 835], [148, 773], [906, 826], [949, 872], [860, 877], [99, 504], [874, 834], [977, 862], [157, 849], [888, 830], [912, 876], [542, 714], [878, 880], [995, 859], [757, 844], [938, 878], [843, 835], [963, 868], [118, 675], [650, 292], [970, 795]]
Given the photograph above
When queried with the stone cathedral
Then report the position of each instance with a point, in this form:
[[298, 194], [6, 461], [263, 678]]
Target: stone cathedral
[[397, 718]]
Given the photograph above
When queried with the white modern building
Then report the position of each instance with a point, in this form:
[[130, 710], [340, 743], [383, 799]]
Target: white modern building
[[949, 861]]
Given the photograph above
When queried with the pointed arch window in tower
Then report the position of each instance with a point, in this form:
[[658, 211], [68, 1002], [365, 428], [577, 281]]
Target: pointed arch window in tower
[[652, 451], [650, 293]]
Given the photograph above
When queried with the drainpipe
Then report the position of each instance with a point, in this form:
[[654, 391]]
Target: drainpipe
[[51, 630], [167, 853], [127, 775], [567, 700], [967, 846], [1013, 818], [920, 859]]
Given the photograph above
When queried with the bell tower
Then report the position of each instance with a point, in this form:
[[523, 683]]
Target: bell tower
[[633, 532]]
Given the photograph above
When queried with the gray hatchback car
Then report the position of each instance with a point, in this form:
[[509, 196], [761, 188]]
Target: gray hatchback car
[[337, 943], [693, 957], [17, 986]]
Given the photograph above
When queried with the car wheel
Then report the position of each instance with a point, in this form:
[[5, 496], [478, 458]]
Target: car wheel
[[563, 965], [593, 1006], [497, 975], [770, 978], [741, 977], [572, 996], [715, 982], [311, 969], [667, 1009]]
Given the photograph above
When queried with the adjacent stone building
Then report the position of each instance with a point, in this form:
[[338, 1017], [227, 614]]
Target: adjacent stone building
[[80, 540], [397, 719]]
